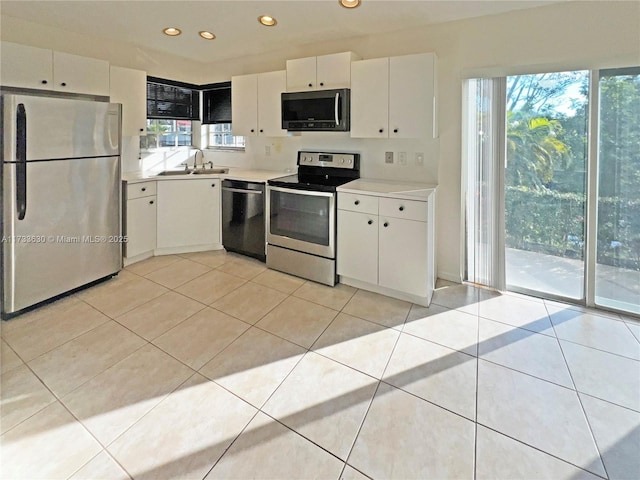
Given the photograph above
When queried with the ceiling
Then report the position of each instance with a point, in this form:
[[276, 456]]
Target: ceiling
[[235, 22]]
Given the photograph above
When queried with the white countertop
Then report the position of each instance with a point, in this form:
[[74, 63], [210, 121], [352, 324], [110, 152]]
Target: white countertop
[[247, 175], [407, 190]]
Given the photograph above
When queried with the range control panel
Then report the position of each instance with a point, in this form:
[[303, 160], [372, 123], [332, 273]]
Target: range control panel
[[335, 160]]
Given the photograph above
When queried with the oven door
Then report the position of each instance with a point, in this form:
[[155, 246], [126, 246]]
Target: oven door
[[302, 220]]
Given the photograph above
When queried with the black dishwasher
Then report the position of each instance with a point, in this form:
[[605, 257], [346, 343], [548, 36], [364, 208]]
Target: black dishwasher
[[243, 218]]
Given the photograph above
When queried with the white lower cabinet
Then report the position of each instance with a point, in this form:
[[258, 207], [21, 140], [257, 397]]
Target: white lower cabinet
[[402, 255], [141, 211], [385, 244], [188, 215], [357, 255]]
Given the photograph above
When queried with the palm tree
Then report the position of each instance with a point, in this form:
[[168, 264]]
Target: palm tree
[[157, 129], [533, 147]]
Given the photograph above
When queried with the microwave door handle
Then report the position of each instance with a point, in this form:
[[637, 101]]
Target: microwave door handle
[[21, 161], [336, 108]]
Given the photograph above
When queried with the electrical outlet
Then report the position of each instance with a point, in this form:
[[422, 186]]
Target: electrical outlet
[[419, 159], [267, 150], [402, 158], [388, 157]]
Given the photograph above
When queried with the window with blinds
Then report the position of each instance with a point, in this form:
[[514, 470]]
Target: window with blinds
[[171, 100], [216, 103], [216, 114]]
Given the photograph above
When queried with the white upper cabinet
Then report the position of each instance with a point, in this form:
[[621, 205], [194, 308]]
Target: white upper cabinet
[[30, 67], [255, 104], [244, 105], [320, 73], [26, 67], [370, 98], [129, 87], [72, 73], [301, 74], [270, 88], [394, 97], [412, 96]]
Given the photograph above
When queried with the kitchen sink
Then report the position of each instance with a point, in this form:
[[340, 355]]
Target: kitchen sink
[[205, 171], [175, 172]]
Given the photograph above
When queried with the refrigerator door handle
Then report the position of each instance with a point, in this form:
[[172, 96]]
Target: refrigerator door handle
[[21, 161]]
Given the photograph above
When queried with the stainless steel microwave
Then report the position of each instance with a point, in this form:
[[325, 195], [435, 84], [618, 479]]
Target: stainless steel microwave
[[317, 111]]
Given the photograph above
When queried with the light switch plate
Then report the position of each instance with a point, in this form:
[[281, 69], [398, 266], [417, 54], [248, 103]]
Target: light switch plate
[[419, 159], [388, 157], [402, 158]]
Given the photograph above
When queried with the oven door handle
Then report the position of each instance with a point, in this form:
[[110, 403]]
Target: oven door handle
[[336, 109], [296, 191]]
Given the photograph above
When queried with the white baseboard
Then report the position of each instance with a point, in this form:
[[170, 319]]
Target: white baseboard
[[451, 277]]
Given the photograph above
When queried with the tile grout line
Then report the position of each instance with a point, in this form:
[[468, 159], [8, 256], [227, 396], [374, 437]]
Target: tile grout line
[[632, 333], [384, 370], [540, 450], [231, 443], [475, 422], [584, 413]]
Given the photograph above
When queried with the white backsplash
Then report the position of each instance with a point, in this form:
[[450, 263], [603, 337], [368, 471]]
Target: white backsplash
[[282, 155]]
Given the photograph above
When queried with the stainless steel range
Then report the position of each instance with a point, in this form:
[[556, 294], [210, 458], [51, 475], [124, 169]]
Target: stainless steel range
[[301, 215]]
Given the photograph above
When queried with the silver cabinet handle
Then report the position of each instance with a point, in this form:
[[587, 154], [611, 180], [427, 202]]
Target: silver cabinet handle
[[336, 108]]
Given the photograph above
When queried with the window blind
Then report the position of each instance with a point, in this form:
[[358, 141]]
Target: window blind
[[170, 100], [216, 103], [483, 180]]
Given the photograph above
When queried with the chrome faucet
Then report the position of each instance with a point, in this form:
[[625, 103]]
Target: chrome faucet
[[195, 159]]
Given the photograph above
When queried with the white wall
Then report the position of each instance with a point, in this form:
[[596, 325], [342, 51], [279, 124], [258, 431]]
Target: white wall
[[571, 35]]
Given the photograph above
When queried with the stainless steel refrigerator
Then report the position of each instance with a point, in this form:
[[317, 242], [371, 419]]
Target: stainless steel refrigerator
[[61, 200]]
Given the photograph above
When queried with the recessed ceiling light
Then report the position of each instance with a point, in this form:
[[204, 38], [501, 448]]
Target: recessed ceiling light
[[172, 31], [267, 21], [349, 3], [207, 35]]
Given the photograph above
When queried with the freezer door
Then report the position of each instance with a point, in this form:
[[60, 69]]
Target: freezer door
[[61, 127], [70, 233]]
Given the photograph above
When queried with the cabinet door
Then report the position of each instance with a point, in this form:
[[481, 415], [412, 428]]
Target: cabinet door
[[301, 74], [244, 105], [129, 87], [270, 87], [403, 255], [188, 213], [26, 67], [411, 96], [72, 73], [357, 250], [334, 71], [141, 226], [370, 98]]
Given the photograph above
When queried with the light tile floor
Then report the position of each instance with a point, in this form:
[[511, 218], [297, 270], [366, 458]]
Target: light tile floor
[[208, 365]]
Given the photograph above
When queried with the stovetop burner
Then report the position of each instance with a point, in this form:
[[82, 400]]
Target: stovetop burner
[[321, 171]]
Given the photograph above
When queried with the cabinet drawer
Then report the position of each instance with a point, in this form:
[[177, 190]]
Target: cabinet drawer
[[358, 203], [138, 190], [408, 209]]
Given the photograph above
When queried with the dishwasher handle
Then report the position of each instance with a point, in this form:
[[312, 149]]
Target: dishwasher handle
[[241, 190]]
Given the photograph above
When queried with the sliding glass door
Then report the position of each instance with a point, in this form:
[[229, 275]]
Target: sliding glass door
[[553, 186], [617, 279], [546, 159]]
